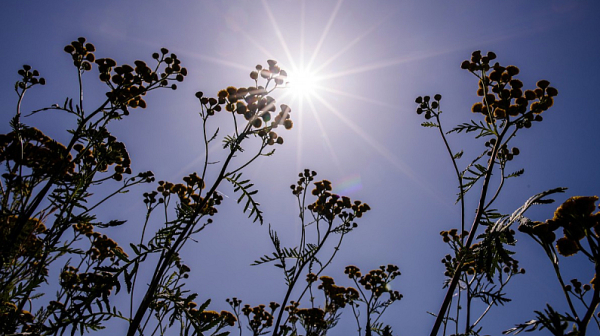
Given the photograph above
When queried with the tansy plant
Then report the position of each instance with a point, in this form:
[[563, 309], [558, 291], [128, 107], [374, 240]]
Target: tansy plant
[[188, 206], [312, 303], [479, 265], [50, 236], [51, 196], [48, 214], [579, 222]]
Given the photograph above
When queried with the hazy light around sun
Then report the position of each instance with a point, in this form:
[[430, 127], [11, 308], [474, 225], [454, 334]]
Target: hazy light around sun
[[303, 83]]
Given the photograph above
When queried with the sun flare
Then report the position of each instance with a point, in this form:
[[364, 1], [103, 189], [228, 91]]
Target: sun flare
[[303, 83]]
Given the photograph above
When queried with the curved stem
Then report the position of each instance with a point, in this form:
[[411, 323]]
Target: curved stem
[[458, 174], [556, 268], [336, 249], [164, 261], [593, 305], [293, 283], [472, 234]]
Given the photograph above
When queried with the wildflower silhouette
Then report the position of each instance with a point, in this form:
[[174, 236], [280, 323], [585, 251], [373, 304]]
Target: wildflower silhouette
[[580, 227], [50, 234], [479, 258]]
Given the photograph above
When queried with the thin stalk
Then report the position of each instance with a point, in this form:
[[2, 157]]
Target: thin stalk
[[28, 212], [165, 260], [490, 305], [136, 273], [593, 305], [472, 234], [560, 279], [469, 299], [293, 283], [458, 174], [336, 249]]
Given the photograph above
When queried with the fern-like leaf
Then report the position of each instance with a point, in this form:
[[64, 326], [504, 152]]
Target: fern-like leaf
[[517, 173], [429, 124], [244, 186], [483, 129], [517, 215], [232, 143]]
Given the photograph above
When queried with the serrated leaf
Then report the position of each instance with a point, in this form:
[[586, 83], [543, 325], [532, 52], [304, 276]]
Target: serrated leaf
[[481, 168], [244, 186], [429, 124], [517, 173], [483, 129], [506, 222]]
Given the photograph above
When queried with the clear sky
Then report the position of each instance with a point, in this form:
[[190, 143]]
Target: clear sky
[[358, 128]]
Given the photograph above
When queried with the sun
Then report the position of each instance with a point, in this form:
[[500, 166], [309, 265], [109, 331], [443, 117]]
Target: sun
[[303, 83]]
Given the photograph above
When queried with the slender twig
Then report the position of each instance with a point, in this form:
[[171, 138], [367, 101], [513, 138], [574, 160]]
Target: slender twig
[[165, 260], [593, 305], [472, 233], [551, 254], [295, 279], [458, 174]]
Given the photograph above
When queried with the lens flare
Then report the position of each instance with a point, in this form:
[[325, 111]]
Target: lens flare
[[303, 83]]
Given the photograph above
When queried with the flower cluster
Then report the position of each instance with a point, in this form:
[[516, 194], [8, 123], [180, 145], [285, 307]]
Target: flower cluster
[[85, 228], [503, 98], [427, 106], [29, 241], [254, 103], [189, 193], [10, 313], [29, 78], [475, 259], [503, 95], [258, 318], [453, 235], [274, 73], [337, 296], [377, 280], [577, 219], [504, 154], [313, 320], [32, 148], [103, 154], [82, 53], [96, 284], [577, 287], [330, 205], [104, 247], [304, 179], [128, 84], [210, 317], [292, 310]]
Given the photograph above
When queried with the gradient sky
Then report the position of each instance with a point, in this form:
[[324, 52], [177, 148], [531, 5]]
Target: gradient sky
[[359, 130]]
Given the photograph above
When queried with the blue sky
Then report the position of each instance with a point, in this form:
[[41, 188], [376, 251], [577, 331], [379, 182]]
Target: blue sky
[[359, 130]]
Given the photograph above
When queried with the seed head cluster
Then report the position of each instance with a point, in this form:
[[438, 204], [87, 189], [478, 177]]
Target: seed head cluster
[[128, 83], [254, 103], [30, 238], [331, 205], [188, 194], [577, 219], [503, 96], [29, 78], [31, 148]]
